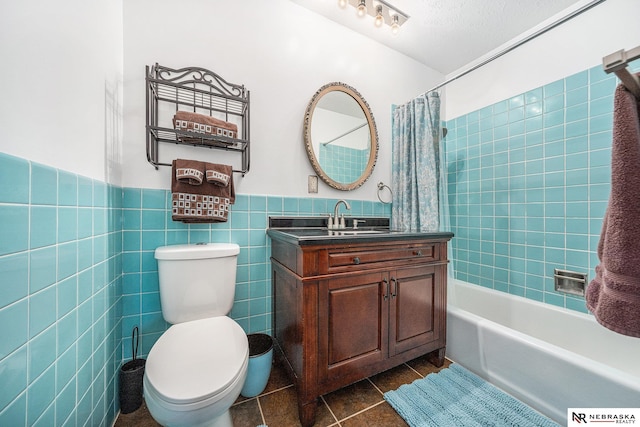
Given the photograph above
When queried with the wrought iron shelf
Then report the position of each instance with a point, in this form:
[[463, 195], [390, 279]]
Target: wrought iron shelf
[[201, 91]]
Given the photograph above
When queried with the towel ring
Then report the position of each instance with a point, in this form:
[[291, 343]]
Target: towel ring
[[382, 186]]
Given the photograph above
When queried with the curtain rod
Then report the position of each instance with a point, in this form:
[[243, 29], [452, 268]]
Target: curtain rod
[[520, 43], [345, 134], [616, 62]]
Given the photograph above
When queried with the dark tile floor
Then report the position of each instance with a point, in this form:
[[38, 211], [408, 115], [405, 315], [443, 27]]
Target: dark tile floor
[[357, 405]]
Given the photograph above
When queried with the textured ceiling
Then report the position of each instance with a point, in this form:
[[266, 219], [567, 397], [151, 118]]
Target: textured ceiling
[[448, 34]]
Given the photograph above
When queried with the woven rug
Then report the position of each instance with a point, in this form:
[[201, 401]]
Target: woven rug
[[456, 397]]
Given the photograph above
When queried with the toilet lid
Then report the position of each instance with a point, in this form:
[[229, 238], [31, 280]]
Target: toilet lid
[[195, 360]]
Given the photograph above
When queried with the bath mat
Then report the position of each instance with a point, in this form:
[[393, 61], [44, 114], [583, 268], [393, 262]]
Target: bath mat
[[455, 396]]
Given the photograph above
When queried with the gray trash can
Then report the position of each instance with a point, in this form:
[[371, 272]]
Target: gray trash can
[[260, 358]]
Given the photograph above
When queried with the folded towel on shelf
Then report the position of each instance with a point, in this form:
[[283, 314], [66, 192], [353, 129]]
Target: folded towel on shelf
[[189, 171], [614, 294], [219, 174], [203, 203], [200, 123]]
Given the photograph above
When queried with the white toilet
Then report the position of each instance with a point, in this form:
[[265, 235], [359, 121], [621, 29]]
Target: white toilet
[[196, 369]]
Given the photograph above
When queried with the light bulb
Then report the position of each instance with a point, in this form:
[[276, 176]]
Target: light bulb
[[395, 27], [362, 8], [379, 19], [342, 3]]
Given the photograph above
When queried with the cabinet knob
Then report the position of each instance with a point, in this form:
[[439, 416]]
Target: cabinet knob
[[356, 260], [418, 252]]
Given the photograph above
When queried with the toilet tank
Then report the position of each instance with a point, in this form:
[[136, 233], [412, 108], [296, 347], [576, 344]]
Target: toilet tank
[[196, 281]]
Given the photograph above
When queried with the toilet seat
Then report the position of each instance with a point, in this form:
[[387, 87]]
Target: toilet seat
[[194, 361]]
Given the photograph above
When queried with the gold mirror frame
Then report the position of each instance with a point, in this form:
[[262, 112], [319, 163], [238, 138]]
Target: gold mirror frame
[[373, 135]]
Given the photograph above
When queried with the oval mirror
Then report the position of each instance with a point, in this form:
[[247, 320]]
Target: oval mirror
[[340, 136]]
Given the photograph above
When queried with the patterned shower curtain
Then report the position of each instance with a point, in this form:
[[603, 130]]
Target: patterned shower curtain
[[419, 174], [416, 166]]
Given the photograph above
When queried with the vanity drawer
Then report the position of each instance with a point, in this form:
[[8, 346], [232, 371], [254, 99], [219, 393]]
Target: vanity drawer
[[343, 257]]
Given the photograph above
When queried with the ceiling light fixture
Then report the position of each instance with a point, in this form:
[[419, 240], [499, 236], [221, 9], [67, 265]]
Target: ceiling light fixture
[[382, 12]]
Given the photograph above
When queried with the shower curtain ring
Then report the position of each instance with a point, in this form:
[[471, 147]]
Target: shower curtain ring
[[382, 186]]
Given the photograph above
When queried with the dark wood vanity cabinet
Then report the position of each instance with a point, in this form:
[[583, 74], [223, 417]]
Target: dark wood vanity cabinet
[[347, 310]]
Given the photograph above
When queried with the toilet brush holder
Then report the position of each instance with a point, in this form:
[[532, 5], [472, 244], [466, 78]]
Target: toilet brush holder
[[259, 369], [131, 376]]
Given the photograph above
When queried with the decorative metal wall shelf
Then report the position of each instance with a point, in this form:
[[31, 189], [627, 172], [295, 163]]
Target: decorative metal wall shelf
[[196, 90]]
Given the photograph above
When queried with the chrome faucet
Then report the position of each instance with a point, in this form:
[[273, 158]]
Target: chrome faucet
[[336, 222]]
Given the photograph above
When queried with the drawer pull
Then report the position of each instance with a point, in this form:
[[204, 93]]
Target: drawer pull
[[418, 252], [356, 260], [394, 290], [386, 289]]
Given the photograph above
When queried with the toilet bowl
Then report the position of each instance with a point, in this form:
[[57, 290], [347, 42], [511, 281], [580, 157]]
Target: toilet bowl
[[197, 368], [195, 372]]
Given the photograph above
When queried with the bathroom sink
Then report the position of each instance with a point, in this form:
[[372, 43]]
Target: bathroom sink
[[358, 232], [321, 222], [323, 232]]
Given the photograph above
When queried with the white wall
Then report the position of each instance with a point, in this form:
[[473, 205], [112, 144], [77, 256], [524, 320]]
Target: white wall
[[61, 84], [283, 54], [572, 47]]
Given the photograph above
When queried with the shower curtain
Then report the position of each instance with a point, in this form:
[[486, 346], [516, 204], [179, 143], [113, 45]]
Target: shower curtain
[[419, 178]]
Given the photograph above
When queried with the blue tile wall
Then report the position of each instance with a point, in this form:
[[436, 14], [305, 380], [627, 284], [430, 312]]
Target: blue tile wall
[[529, 182], [147, 224], [60, 260]]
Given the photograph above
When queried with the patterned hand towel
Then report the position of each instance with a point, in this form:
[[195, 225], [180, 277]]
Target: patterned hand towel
[[189, 171], [203, 203], [614, 294], [218, 174]]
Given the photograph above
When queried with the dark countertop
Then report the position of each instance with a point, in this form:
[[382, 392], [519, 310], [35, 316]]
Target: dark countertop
[[319, 236], [314, 231]]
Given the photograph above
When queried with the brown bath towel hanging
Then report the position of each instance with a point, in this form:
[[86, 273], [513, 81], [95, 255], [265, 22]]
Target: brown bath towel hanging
[[614, 294]]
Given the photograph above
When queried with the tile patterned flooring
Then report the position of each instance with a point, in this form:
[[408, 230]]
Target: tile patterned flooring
[[357, 405]]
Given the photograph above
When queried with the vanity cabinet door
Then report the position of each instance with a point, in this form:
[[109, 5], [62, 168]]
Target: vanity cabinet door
[[353, 324], [417, 304]]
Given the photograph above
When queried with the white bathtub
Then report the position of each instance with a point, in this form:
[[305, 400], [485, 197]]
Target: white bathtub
[[548, 357]]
